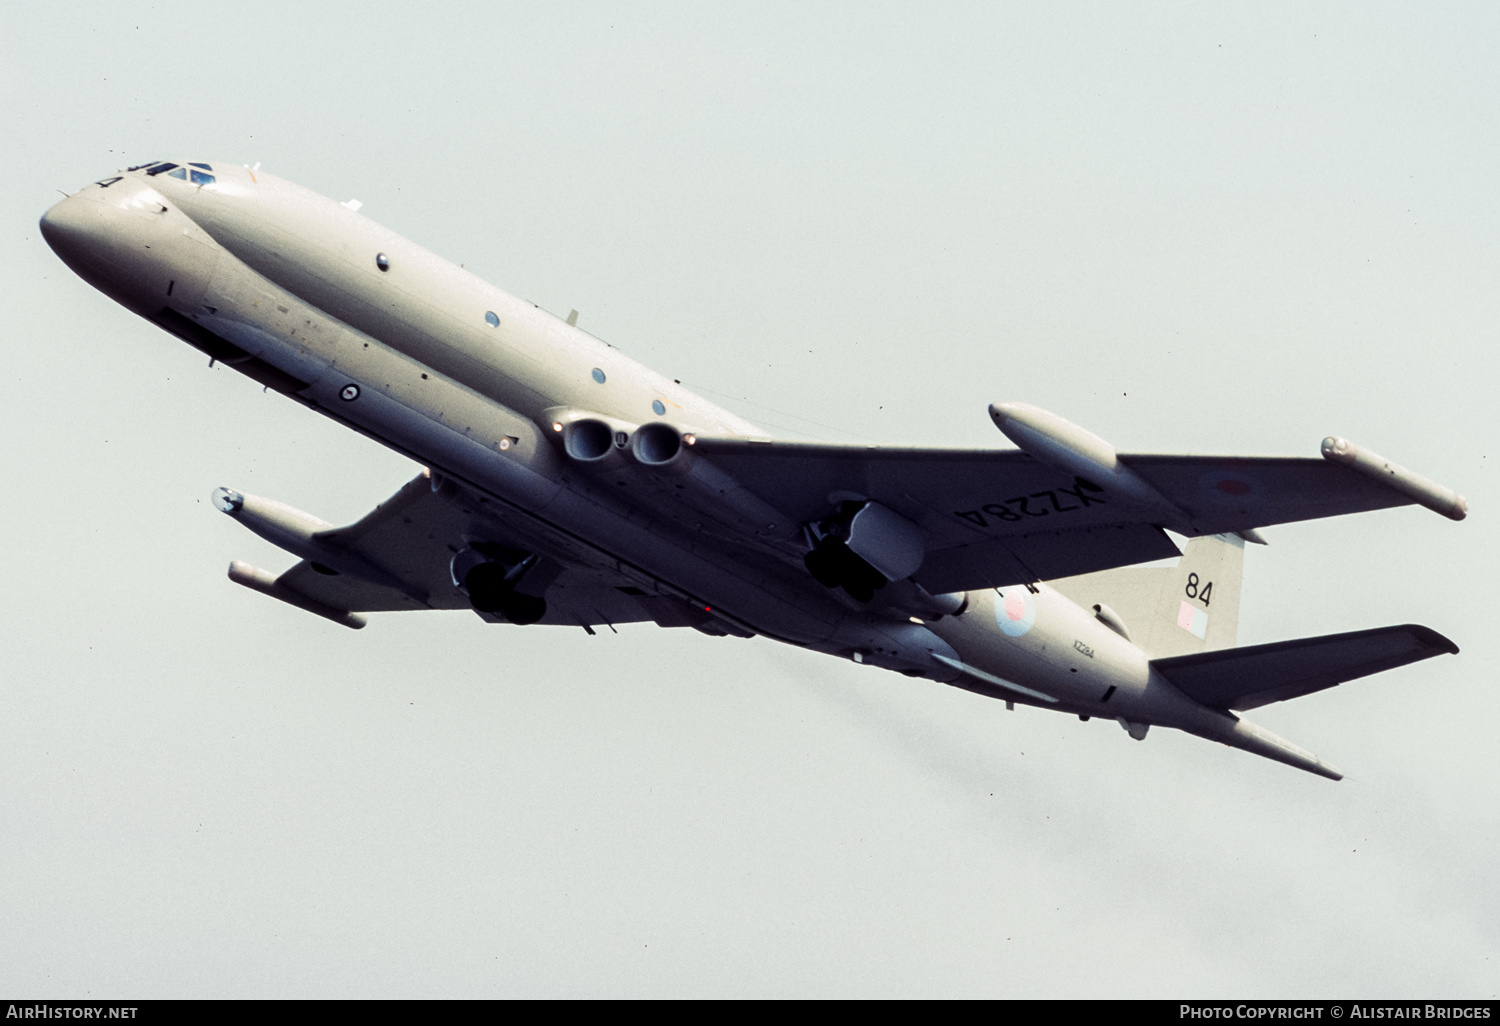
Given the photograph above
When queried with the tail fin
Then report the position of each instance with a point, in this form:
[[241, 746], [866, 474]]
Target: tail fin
[[1171, 610]]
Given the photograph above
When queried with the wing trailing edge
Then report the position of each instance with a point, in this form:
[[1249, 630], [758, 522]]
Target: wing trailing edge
[[1066, 502]]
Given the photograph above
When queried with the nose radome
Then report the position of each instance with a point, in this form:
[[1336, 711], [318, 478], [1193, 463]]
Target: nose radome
[[118, 246], [73, 228]]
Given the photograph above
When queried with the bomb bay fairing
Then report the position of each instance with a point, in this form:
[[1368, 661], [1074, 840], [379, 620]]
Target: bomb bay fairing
[[569, 485]]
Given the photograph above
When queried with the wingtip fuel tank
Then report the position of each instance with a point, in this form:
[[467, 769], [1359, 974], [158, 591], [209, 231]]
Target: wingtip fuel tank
[[1416, 487], [256, 579]]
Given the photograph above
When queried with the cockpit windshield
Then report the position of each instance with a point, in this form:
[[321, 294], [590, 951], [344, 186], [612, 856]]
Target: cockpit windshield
[[184, 174]]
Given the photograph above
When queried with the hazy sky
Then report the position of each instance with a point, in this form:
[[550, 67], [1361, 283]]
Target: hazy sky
[[1188, 227]]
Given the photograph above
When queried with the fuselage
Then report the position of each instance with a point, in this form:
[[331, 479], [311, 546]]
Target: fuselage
[[316, 301]]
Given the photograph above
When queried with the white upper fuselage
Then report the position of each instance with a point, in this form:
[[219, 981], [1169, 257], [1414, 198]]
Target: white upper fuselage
[[427, 308]]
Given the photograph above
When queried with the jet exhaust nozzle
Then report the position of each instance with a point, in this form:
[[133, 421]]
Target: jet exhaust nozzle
[[587, 437], [588, 440], [658, 445]]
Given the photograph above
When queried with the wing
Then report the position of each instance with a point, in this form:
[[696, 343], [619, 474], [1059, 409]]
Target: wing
[[398, 555], [995, 517]]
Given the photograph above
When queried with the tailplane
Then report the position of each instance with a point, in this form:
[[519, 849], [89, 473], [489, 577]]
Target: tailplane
[[1248, 678]]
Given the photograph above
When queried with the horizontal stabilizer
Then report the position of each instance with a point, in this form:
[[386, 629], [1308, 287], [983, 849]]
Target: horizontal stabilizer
[[1247, 678]]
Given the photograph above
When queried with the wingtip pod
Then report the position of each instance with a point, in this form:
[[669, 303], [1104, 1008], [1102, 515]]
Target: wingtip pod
[[256, 579], [1416, 487], [281, 525]]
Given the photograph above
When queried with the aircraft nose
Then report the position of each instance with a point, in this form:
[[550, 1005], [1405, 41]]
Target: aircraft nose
[[117, 241], [71, 228], [74, 229]]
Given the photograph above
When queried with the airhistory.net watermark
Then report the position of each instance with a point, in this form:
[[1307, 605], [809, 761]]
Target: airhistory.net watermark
[[44, 1010]]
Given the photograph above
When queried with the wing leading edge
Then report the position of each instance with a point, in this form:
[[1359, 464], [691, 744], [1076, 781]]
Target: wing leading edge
[[397, 557], [990, 518]]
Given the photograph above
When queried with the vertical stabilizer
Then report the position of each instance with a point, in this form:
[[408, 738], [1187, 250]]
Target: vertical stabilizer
[[1197, 607], [1171, 610]]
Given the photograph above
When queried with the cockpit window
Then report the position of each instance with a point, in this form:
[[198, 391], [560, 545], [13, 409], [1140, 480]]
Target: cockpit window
[[178, 172], [159, 168], [194, 163], [146, 164], [199, 178]]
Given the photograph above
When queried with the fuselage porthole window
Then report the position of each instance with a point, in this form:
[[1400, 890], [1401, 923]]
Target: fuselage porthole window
[[598, 375], [159, 168], [178, 172], [658, 407], [382, 261], [200, 178], [492, 318]]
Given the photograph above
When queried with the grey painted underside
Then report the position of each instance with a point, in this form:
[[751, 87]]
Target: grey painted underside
[[1247, 678]]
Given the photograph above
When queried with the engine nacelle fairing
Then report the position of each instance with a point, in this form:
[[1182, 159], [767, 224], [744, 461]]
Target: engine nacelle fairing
[[494, 577]]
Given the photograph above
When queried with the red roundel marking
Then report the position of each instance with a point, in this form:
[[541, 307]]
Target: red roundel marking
[[1015, 607]]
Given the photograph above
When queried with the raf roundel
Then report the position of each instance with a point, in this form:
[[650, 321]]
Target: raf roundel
[[1015, 610], [1227, 488]]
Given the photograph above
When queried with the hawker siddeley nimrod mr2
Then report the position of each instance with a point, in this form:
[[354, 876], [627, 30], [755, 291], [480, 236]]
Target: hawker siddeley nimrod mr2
[[569, 485]]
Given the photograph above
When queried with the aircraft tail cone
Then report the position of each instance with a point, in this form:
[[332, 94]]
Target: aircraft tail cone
[[1260, 741]]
